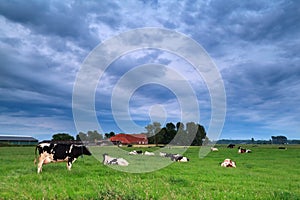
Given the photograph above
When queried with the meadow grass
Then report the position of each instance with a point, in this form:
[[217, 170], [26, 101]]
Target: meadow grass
[[266, 173]]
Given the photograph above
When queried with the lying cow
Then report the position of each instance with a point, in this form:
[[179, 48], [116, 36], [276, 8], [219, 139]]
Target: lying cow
[[169, 155], [58, 152], [231, 146], [282, 148], [147, 153], [228, 163], [214, 149], [175, 157], [181, 159], [134, 152], [108, 160], [242, 150], [162, 154]]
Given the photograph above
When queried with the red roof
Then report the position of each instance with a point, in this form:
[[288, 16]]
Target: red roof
[[130, 138]]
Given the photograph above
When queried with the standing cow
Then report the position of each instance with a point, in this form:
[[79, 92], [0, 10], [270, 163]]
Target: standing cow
[[59, 152]]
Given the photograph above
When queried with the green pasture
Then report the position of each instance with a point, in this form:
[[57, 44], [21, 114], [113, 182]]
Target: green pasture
[[266, 173]]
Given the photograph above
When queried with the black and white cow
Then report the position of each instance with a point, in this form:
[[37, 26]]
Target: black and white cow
[[59, 152], [231, 146], [242, 150], [180, 159], [136, 152], [162, 154], [175, 157], [108, 160]]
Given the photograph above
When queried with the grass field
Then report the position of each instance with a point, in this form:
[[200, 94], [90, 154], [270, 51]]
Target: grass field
[[267, 173]]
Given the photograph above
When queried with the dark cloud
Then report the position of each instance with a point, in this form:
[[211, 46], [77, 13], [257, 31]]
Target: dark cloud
[[215, 23], [23, 12], [63, 19]]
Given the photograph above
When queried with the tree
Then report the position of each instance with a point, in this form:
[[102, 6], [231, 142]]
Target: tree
[[157, 129], [200, 136], [93, 136], [180, 138], [160, 137], [194, 134], [153, 131], [150, 130], [81, 136], [170, 133], [191, 129], [170, 126], [62, 137], [109, 135], [179, 126]]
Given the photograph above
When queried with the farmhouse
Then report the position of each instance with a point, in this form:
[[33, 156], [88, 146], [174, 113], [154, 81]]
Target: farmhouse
[[129, 139], [17, 140]]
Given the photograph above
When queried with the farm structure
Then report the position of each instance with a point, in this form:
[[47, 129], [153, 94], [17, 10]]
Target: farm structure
[[17, 140], [129, 139]]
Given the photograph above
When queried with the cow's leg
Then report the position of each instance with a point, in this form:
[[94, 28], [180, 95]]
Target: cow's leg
[[44, 158], [70, 162], [40, 164]]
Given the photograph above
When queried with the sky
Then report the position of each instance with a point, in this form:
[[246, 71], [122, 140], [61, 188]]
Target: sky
[[255, 46]]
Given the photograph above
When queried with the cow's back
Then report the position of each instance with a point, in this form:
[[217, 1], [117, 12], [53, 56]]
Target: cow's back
[[61, 151]]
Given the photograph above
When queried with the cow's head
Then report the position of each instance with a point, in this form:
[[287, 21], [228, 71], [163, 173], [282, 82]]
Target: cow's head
[[85, 151], [104, 157]]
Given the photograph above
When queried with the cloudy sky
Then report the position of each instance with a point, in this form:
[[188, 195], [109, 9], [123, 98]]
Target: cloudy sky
[[254, 44]]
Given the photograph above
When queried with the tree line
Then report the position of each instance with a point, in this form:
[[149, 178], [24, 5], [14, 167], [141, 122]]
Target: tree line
[[190, 134], [91, 136], [187, 134]]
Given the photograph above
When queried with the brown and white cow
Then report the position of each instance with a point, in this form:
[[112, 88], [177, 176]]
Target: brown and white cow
[[50, 152], [228, 163]]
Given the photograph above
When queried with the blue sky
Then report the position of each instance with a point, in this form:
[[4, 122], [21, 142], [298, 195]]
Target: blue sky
[[254, 44]]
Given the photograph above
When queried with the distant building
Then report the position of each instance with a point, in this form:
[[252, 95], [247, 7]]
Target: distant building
[[279, 140], [17, 140], [129, 139]]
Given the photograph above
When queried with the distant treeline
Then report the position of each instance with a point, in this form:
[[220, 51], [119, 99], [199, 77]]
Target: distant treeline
[[229, 141]]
